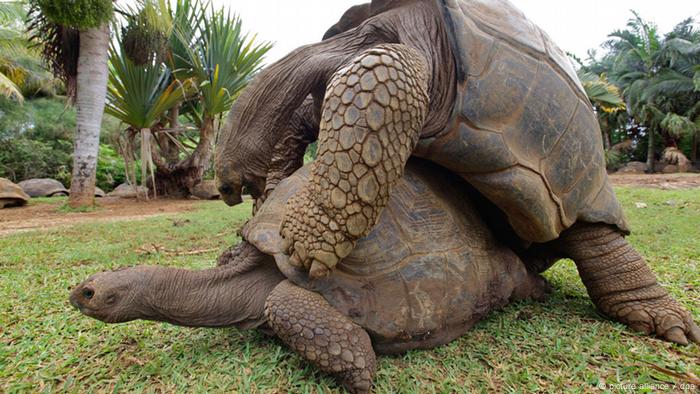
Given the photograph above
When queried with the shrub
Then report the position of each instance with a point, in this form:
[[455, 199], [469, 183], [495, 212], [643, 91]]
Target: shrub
[[110, 168], [36, 141], [23, 158]]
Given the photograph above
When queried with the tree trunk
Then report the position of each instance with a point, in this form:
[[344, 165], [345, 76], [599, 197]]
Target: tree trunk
[[90, 103], [694, 148], [178, 180], [168, 150], [650, 150], [604, 127]]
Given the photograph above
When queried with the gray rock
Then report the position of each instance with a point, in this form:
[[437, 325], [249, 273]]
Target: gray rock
[[128, 191]]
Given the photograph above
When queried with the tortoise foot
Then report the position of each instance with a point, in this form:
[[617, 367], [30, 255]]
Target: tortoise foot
[[313, 239], [652, 311]]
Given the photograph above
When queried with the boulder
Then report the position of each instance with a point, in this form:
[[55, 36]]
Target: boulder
[[670, 169], [128, 191], [633, 167], [206, 190]]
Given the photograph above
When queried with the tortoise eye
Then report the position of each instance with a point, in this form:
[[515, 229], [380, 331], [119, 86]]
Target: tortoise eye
[[88, 293]]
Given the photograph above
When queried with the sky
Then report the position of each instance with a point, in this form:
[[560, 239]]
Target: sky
[[575, 26]]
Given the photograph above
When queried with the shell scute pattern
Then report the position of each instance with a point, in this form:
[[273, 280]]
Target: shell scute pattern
[[524, 133]]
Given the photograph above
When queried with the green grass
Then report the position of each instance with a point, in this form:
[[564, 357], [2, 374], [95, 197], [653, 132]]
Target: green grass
[[558, 345]]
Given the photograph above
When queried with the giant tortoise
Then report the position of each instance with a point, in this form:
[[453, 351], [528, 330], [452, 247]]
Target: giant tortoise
[[43, 187], [11, 195], [473, 86], [401, 288]]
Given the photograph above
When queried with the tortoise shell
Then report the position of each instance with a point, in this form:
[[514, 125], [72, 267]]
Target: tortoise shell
[[427, 272], [11, 194], [43, 187], [523, 131]]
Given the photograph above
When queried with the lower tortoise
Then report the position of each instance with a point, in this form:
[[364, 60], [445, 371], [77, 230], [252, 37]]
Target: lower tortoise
[[401, 288]]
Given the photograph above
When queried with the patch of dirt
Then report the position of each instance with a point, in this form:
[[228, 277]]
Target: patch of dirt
[[110, 209], [657, 181]]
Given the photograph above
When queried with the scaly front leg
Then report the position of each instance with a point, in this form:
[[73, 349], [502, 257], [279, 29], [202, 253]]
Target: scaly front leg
[[372, 116]]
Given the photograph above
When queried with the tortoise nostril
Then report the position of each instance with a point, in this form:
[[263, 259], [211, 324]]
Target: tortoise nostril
[[88, 293]]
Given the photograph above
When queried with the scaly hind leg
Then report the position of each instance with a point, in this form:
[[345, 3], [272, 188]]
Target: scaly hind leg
[[313, 328], [623, 286]]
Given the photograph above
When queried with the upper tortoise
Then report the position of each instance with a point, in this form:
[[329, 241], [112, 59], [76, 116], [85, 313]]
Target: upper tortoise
[[471, 85]]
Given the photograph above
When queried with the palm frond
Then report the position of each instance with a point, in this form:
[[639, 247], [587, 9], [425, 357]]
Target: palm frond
[[187, 25], [9, 89], [59, 46], [668, 83], [12, 13], [601, 92], [678, 125], [223, 61], [140, 95]]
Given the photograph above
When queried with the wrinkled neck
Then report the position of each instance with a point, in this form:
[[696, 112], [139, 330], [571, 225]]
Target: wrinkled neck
[[216, 297], [263, 112]]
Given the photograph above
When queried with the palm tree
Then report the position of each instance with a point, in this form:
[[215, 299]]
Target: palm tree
[[11, 42], [139, 96], [635, 65], [659, 77], [221, 62], [55, 23], [209, 56]]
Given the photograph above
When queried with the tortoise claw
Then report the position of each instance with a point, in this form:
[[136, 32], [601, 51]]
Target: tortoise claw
[[300, 251], [295, 261], [318, 270], [286, 240], [676, 335]]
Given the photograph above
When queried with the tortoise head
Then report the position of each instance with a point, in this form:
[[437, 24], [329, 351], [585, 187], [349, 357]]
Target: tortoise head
[[245, 146], [229, 295], [261, 115], [112, 297]]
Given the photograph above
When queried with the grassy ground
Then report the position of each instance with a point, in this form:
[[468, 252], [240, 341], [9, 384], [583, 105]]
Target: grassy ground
[[558, 345]]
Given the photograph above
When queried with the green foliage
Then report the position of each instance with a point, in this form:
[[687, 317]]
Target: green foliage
[[23, 158], [678, 126], [22, 73], [145, 37], [222, 61], [601, 92], [139, 95], [658, 77], [110, 168], [79, 14], [310, 154], [36, 141], [613, 160]]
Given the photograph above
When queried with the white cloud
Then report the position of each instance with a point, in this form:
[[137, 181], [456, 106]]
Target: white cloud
[[575, 26]]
